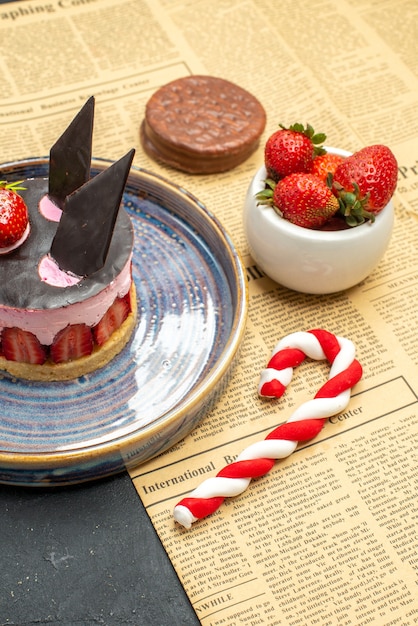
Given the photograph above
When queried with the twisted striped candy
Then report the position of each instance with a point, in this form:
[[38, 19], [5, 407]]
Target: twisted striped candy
[[304, 424]]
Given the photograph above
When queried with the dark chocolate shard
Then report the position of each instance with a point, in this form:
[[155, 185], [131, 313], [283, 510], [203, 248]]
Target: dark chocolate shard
[[85, 230], [70, 156]]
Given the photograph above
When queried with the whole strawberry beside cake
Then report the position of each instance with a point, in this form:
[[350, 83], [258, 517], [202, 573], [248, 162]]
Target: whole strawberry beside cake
[[67, 298]]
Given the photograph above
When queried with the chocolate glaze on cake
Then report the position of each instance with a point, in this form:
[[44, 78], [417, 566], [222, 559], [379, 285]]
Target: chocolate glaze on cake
[[88, 236], [21, 286], [202, 124]]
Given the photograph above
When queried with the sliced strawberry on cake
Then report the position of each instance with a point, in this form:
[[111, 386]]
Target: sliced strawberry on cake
[[22, 346], [72, 342], [111, 320]]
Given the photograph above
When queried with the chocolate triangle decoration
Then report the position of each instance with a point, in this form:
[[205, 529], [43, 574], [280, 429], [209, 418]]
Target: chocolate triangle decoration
[[70, 156], [84, 233]]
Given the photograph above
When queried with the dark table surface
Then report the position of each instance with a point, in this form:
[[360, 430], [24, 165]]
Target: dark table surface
[[85, 555]]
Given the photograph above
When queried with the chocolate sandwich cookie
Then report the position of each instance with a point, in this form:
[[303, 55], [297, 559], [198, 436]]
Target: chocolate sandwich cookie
[[202, 125]]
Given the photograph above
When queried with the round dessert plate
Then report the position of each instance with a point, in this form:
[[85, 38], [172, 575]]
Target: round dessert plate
[[192, 309]]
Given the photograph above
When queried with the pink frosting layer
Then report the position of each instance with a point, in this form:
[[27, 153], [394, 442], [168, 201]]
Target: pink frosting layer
[[49, 210], [45, 324], [50, 273]]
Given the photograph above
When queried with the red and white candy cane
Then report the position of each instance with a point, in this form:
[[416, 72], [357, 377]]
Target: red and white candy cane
[[304, 424]]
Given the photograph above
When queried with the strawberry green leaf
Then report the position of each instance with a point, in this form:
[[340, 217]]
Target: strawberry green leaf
[[265, 196], [353, 207], [297, 127], [318, 138], [15, 186]]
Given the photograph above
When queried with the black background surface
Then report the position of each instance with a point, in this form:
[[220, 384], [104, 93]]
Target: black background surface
[[85, 555]]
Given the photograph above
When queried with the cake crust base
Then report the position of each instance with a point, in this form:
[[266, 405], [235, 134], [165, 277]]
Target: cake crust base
[[101, 356]]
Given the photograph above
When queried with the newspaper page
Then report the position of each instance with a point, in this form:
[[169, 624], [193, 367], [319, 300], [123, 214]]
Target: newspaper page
[[329, 535]]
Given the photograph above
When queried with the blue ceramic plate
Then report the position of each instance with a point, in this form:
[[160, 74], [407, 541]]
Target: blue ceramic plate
[[192, 307]]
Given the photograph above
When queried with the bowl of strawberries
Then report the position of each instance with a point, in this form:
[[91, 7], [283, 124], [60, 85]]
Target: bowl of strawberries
[[318, 219]]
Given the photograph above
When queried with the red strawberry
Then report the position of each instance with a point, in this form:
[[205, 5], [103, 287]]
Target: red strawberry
[[13, 214], [72, 342], [370, 177], [22, 346], [325, 164], [111, 320], [290, 150], [302, 199]]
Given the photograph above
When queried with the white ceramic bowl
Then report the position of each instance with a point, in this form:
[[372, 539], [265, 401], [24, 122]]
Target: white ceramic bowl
[[313, 261]]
